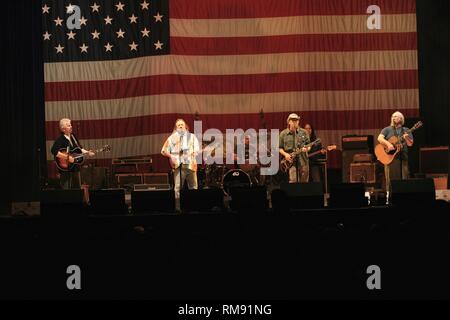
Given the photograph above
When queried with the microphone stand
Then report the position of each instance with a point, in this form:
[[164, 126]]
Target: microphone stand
[[68, 165], [296, 145], [181, 164]]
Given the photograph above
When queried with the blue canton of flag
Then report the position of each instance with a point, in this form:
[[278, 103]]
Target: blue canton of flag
[[104, 29]]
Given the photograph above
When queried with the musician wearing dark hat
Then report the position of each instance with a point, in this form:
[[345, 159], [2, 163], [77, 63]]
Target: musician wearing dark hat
[[292, 138]]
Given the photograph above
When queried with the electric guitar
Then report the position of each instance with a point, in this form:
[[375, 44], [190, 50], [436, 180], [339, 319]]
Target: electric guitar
[[323, 150], [286, 165], [384, 155], [63, 163]]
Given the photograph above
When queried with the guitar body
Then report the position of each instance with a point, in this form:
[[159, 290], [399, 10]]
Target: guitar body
[[385, 156], [286, 165], [63, 164], [174, 162]]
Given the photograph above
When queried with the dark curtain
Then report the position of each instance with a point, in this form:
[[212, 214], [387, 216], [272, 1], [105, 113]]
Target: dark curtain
[[433, 30], [23, 101]]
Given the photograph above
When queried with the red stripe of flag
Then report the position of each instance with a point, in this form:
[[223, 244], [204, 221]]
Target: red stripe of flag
[[294, 43], [163, 123], [231, 84], [232, 9]]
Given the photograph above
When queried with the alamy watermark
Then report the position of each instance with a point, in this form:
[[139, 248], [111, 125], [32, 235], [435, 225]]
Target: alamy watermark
[[262, 147]]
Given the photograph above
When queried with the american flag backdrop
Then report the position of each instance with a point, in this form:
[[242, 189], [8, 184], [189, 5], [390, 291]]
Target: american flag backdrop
[[134, 67]]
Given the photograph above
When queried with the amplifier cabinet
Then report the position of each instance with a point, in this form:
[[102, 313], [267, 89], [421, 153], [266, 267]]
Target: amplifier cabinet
[[440, 181], [362, 173], [156, 178], [357, 142], [434, 160], [128, 178]]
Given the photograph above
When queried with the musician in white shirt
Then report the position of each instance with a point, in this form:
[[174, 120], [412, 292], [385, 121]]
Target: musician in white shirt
[[182, 148]]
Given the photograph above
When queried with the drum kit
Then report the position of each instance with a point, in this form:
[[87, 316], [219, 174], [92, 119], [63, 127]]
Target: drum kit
[[226, 177], [222, 177]]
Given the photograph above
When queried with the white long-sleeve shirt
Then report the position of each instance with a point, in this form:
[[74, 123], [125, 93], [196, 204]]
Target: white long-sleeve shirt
[[182, 149]]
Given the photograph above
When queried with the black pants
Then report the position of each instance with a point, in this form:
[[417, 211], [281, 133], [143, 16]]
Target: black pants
[[70, 180]]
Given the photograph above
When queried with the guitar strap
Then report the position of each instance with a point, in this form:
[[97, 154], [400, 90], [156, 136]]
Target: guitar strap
[[75, 142], [399, 140]]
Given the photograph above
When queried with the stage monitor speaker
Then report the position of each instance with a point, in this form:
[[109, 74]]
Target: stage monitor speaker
[[434, 160], [304, 195], [347, 159], [202, 200], [108, 202], [348, 195], [249, 200], [362, 173], [60, 202], [413, 192], [143, 202]]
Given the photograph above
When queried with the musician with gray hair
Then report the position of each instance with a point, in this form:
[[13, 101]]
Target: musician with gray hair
[[398, 169], [62, 147], [182, 148]]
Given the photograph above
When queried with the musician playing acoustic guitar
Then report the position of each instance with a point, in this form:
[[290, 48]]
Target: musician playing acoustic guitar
[[69, 179], [182, 147], [398, 168]]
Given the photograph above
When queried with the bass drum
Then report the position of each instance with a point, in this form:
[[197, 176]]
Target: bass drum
[[235, 179]]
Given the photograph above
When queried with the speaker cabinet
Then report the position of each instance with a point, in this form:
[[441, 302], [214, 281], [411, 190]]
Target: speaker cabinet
[[440, 181], [413, 192], [61, 203], [347, 159], [143, 202], [123, 179], [202, 200], [348, 195], [108, 202], [249, 200], [362, 173], [304, 195], [434, 160], [355, 142], [156, 178]]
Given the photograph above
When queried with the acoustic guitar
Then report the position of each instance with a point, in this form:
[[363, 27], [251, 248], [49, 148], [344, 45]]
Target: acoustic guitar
[[384, 155], [63, 163]]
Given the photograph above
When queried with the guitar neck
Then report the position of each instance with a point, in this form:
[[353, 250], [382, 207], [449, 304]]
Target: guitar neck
[[402, 139], [315, 152], [298, 151]]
